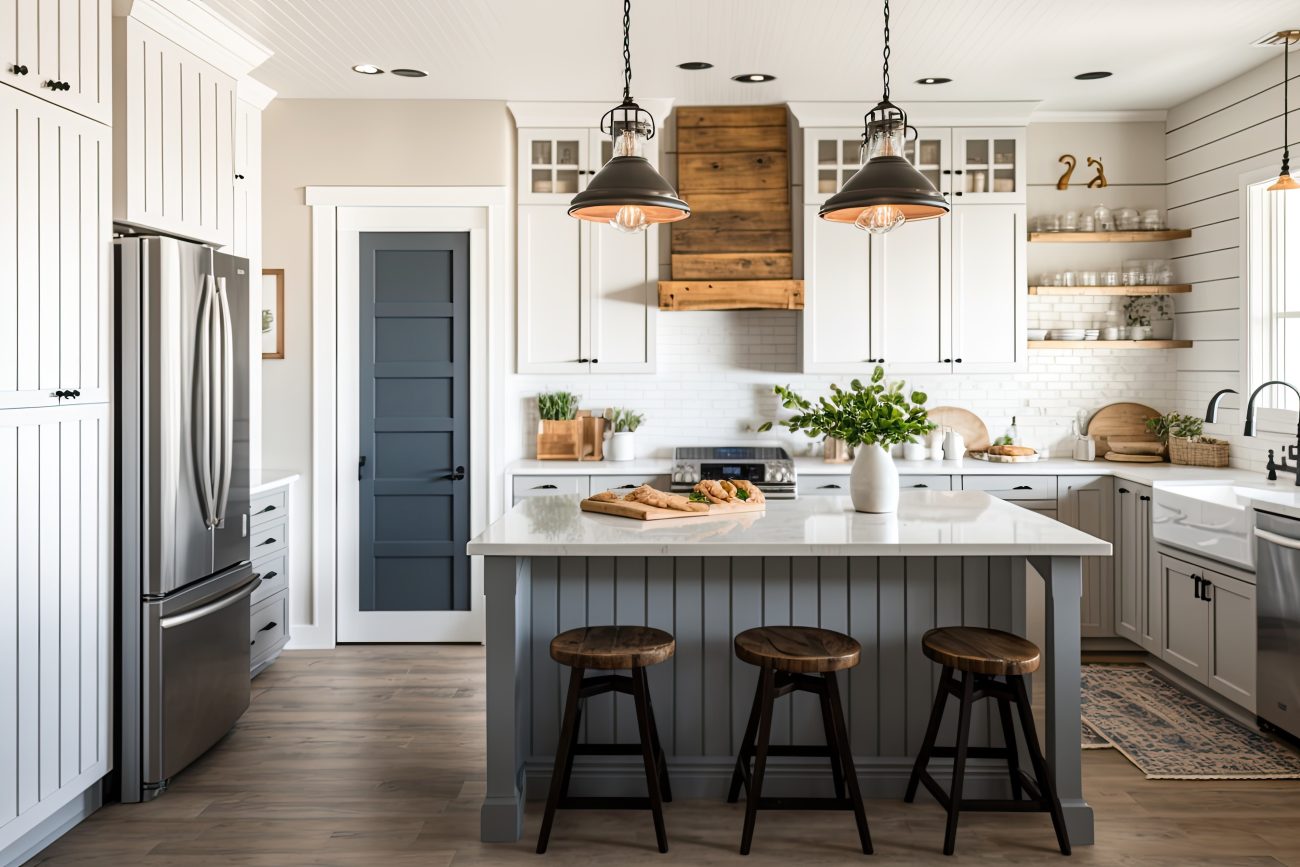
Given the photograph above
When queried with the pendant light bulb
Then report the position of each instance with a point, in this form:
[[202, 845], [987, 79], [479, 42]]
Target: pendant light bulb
[[880, 219], [630, 219]]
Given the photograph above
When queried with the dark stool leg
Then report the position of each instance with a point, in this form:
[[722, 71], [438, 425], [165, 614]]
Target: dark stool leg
[[746, 744], [767, 691], [563, 758], [661, 759], [931, 733], [846, 756], [959, 762], [1042, 773], [1009, 740], [639, 695], [837, 768]]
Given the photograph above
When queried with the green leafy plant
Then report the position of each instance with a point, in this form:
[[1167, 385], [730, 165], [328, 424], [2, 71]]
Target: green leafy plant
[[1176, 425], [623, 420], [557, 406], [1145, 309], [872, 414]]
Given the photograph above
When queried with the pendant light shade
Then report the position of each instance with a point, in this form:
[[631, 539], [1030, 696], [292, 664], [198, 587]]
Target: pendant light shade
[[1284, 180], [627, 192], [887, 191]]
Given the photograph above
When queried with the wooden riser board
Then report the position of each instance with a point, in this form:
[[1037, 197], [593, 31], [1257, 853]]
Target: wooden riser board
[[642, 512]]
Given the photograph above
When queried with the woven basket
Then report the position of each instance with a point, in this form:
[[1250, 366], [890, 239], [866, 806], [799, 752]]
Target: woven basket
[[1197, 454]]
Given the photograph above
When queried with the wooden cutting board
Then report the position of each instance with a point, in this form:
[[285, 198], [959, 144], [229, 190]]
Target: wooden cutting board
[[966, 423], [1003, 459], [642, 512], [1124, 421], [1134, 459]]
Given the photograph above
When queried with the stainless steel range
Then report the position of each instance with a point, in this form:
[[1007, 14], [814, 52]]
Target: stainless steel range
[[770, 468]]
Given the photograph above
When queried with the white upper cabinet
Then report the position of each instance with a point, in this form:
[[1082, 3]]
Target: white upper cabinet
[[55, 307], [555, 164], [246, 238], [911, 282], [59, 50], [174, 132], [989, 298], [837, 328], [989, 165], [623, 298], [831, 155]]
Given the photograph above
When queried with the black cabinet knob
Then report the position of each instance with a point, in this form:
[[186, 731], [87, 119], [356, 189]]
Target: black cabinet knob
[[1143, 497], [958, 193], [1124, 490], [880, 361], [958, 360], [958, 172], [595, 361], [18, 69], [583, 360], [947, 360], [239, 177], [947, 171]]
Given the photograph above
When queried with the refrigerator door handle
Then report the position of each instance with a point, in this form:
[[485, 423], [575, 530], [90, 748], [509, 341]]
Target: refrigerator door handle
[[212, 607], [227, 441], [203, 406]]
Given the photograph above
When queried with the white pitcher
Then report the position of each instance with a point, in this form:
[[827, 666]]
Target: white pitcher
[[954, 446]]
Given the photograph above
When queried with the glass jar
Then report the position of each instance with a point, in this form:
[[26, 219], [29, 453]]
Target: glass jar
[[1126, 220], [1104, 219]]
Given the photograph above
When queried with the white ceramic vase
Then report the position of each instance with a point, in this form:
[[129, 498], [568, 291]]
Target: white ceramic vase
[[622, 447], [873, 483]]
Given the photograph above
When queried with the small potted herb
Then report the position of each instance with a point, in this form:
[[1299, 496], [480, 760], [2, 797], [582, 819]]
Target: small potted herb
[[622, 440], [876, 416], [1152, 312], [559, 432]]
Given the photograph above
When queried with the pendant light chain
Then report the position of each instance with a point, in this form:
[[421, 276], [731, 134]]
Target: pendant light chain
[[1286, 80], [886, 51], [627, 50]]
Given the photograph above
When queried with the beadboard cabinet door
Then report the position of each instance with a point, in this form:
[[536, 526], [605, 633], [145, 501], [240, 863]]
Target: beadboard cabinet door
[[47, 44], [56, 621], [55, 307], [175, 138]]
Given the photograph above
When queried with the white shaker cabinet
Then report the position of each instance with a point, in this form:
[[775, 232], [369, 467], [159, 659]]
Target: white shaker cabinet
[[989, 296], [175, 138], [55, 307], [837, 325], [912, 295], [56, 621], [60, 51]]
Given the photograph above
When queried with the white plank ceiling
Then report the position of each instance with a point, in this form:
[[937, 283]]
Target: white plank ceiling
[[1161, 51]]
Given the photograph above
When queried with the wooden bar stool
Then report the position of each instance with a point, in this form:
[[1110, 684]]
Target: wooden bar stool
[[983, 656], [789, 657], [609, 648]]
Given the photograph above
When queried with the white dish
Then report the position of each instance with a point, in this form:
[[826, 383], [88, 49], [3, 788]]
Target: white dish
[[1037, 333]]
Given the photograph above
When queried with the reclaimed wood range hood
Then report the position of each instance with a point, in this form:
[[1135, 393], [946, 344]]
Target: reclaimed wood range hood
[[735, 252]]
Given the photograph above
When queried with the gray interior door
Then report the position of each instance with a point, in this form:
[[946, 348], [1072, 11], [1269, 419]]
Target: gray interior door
[[414, 417]]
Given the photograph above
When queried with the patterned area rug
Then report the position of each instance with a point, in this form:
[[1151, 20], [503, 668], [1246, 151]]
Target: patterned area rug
[[1170, 735], [1092, 740]]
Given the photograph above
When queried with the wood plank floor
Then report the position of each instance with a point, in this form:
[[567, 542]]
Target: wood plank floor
[[374, 756]]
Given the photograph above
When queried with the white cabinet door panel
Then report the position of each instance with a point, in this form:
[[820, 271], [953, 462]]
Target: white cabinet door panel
[[989, 299], [623, 299], [550, 289], [837, 312], [910, 295]]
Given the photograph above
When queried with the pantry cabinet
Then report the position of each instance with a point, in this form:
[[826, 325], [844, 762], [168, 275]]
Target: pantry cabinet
[[55, 306], [945, 295], [175, 138], [56, 620], [1087, 503], [1209, 627], [59, 51], [1131, 561]]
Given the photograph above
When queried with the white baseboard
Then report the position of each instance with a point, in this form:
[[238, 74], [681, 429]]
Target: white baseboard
[[307, 636], [54, 826]]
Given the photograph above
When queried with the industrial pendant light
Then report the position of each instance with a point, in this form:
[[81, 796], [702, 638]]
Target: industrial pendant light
[[887, 191], [627, 192], [1284, 179]]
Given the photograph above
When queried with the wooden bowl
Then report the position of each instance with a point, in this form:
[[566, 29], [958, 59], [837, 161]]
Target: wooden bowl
[[1137, 447]]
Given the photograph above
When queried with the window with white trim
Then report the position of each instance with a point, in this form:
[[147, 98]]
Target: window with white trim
[[1272, 259]]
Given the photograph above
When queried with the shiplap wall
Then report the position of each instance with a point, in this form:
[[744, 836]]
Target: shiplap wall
[[1210, 142]]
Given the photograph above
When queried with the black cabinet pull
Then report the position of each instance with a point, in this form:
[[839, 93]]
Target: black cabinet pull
[[621, 487], [957, 172], [958, 360], [270, 540], [264, 511], [239, 177], [456, 475], [920, 485], [595, 361], [946, 360], [1023, 488], [543, 487], [828, 487], [880, 361], [583, 360], [1206, 584], [361, 467], [959, 192], [1124, 490], [18, 69], [1196, 583], [269, 575], [1143, 497], [270, 625], [947, 171]]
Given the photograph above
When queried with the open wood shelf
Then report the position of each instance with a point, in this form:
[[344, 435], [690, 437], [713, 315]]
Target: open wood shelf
[[1110, 344], [1108, 237], [730, 294], [1170, 289]]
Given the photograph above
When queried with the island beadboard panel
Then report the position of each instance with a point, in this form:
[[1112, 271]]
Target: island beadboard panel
[[702, 696]]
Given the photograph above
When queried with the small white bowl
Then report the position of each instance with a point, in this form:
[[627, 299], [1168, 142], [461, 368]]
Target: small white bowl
[[1037, 333]]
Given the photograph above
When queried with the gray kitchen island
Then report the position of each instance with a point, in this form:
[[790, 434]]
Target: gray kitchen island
[[945, 558]]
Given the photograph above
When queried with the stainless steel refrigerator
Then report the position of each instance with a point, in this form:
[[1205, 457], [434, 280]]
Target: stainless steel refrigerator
[[183, 572]]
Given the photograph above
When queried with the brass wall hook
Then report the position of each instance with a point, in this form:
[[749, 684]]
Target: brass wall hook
[[1100, 180], [1070, 162]]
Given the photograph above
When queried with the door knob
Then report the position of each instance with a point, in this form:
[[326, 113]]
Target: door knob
[[457, 475], [361, 467], [18, 69]]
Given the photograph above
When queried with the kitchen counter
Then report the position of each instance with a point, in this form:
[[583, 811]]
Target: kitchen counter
[[945, 558]]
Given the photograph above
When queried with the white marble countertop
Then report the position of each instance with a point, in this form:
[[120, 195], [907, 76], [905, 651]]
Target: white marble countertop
[[265, 480], [927, 524]]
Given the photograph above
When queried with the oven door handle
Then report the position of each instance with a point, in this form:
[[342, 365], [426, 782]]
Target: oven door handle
[[212, 607], [1285, 542]]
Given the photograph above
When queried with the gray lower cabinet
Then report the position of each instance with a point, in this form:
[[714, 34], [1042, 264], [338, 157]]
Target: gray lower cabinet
[[1209, 627], [1087, 503], [269, 616], [1131, 562]]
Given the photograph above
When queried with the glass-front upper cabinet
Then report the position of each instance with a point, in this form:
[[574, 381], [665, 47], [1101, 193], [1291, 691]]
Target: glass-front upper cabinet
[[831, 157], [553, 164], [929, 152], [989, 164]]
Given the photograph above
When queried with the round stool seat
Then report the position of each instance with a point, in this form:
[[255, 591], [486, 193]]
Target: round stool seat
[[798, 649], [612, 647], [981, 651]]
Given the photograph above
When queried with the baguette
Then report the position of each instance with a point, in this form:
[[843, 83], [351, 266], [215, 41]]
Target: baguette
[[1012, 451]]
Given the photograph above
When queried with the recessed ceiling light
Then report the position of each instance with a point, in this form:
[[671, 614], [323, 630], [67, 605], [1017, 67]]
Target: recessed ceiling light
[[694, 65], [410, 73], [933, 80], [367, 69], [753, 77], [1092, 76]]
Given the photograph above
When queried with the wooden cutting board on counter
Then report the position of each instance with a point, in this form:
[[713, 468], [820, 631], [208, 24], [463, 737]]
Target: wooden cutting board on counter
[[642, 512], [963, 421], [1134, 459], [1123, 421]]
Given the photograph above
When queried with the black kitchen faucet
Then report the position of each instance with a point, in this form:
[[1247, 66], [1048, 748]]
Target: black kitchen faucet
[[1291, 451]]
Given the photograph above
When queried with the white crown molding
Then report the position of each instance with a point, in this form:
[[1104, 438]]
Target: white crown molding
[[254, 92], [1155, 115], [576, 114], [194, 26], [919, 113]]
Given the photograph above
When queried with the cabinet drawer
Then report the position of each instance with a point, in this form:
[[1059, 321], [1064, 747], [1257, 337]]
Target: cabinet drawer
[[268, 626], [1013, 487], [813, 486], [275, 576], [268, 538], [933, 483], [545, 486], [627, 483], [268, 506]]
